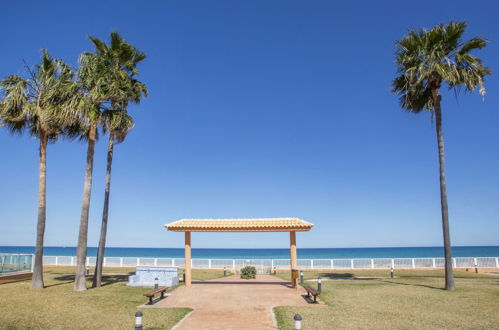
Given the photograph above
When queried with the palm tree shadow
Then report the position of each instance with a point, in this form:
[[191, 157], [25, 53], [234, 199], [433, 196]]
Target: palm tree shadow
[[111, 279], [70, 278], [337, 276], [57, 284], [412, 284], [106, 279]]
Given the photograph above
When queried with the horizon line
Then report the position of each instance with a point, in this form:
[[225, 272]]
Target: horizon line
[[258, 248]]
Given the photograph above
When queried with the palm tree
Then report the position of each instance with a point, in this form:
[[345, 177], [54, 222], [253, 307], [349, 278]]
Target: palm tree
[[93, 89], [107, 85], [122, 60], [425, 60], [117, 124], [39, 104]]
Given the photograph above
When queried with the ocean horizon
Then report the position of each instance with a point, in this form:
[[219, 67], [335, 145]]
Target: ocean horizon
[[269, 253]]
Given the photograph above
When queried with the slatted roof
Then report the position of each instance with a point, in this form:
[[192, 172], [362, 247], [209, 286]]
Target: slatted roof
[[240, 225]]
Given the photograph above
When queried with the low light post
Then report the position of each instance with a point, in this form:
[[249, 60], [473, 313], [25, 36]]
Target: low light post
[[88, 270], [275, 270], [297, 322], [391, 272], [138, 320], [319, 285], [156, 283], [301, 276], [225, 271]]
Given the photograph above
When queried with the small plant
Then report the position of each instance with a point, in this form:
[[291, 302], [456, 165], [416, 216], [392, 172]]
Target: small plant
[[248, 272]]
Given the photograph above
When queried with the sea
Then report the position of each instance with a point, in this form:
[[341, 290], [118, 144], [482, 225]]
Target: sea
[[303, 253]]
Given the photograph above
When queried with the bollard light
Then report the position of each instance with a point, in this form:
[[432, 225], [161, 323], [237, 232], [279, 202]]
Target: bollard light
[[391, 272], [156, 283], [225, 271], [138, 320], [297, 321], [319, 284], [88, 269], [301, 276], [275, 270]]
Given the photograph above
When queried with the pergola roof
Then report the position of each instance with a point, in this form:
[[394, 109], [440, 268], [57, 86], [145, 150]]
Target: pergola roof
[[240, 225]]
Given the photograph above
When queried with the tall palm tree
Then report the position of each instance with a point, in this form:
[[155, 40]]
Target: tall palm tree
[[117, 124], [122, 60], [38, 104], [425, 60], [107, 84], [93, 92]]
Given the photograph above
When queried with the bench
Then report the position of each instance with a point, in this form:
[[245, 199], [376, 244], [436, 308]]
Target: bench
[[312, 292], [152, 293]]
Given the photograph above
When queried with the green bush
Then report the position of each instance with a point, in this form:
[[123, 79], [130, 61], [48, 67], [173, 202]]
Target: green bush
[[248, 272]]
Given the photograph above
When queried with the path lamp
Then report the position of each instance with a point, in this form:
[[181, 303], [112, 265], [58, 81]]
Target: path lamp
[[225, 271], [88, 270], [319, 284], [301, 276], [391, 272], [275, 270], [156, 283], [297, 322], [138, 320]]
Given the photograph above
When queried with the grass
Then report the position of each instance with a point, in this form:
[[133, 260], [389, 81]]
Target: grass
[[411, 300], [110, 307], [372, 300]]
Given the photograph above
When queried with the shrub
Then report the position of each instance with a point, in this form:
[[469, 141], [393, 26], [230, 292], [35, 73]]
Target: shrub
[[248, 272]]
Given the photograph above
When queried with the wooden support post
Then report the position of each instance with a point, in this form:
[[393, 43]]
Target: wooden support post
[[292, 251], [188, 259]]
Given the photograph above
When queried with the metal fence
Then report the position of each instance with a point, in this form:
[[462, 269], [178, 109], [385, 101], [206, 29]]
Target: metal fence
[[265, 265], [14, 263]]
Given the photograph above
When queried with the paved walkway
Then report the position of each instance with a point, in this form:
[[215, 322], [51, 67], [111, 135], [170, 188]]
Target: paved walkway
[[233, 303]]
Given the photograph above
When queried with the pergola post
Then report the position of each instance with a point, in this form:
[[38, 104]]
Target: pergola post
[[292, 251], [188, 259]]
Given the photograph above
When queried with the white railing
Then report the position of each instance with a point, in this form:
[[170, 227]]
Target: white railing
[[267, 264]]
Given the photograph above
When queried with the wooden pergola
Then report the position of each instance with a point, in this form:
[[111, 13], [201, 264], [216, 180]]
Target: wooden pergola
[[291, 225]]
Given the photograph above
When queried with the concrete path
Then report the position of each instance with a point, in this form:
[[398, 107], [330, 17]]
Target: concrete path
[[233, 303]]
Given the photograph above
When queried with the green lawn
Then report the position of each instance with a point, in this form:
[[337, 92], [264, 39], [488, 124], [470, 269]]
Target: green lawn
[[412, 300], [58, 307]]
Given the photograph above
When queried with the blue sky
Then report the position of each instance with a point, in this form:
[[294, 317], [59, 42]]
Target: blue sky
[[260, 109]]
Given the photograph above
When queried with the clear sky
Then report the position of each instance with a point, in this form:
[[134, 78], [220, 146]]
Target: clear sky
[[260, 109]]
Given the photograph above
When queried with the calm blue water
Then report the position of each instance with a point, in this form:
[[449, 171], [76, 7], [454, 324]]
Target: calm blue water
[[330, 253]]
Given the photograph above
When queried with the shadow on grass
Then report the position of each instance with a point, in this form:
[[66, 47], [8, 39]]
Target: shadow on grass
[[57, 284], [243, 282], [111, 279], [413, 284], [106, 279], [339, 276]]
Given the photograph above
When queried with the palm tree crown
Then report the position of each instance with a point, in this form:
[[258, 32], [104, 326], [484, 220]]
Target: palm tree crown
[[426, 58], [39, 104]]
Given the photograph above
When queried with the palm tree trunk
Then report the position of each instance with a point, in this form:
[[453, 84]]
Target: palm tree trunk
[[37, 279], [449, 276], [103, 229], [81, 252]]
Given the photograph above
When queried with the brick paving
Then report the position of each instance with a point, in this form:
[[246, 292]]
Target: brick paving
[[233, 303]]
